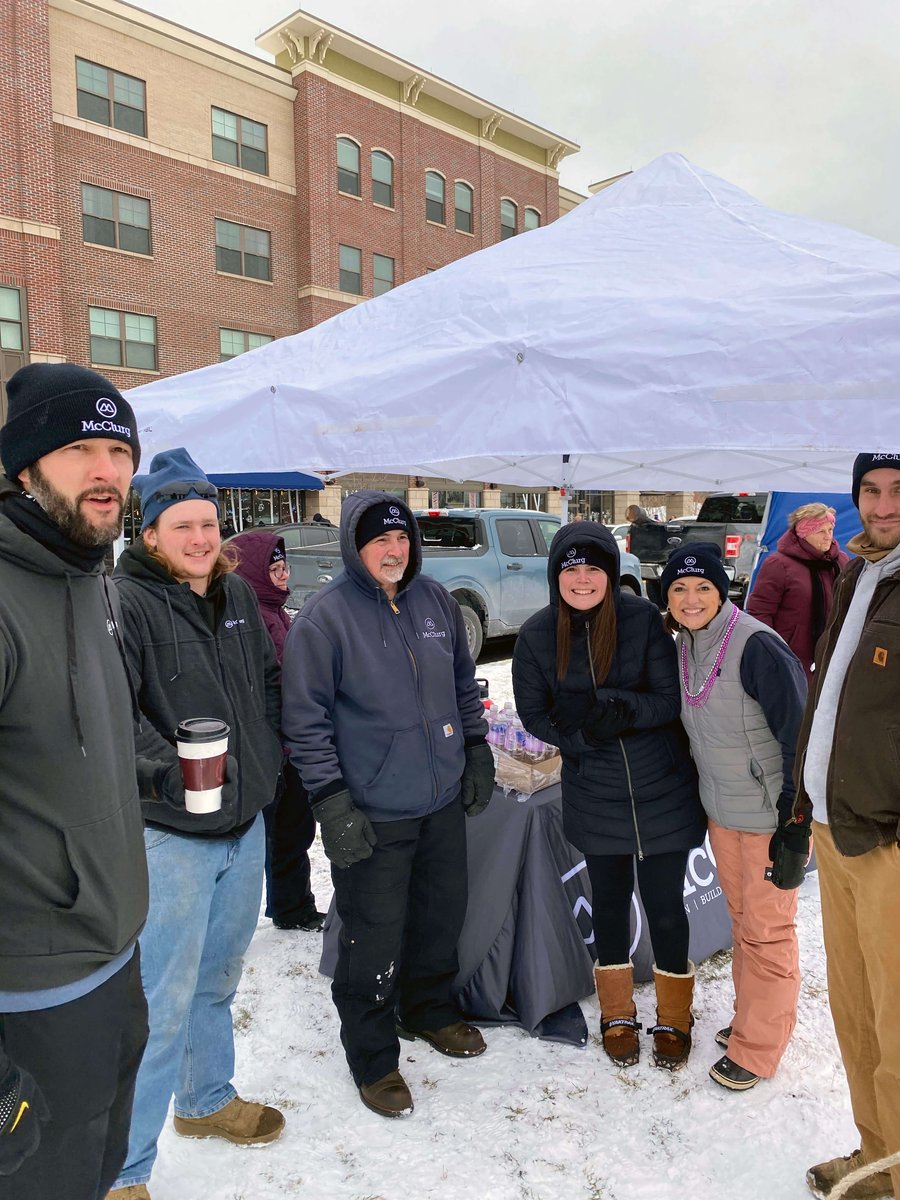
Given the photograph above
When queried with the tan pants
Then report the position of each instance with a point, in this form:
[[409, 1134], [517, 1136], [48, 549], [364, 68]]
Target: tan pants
[[766, 958], [861, 918]]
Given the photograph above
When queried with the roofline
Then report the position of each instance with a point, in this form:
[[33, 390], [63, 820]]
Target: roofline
[[302, 24]]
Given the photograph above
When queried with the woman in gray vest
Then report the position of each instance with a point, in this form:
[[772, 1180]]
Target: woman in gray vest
[[742, 697]]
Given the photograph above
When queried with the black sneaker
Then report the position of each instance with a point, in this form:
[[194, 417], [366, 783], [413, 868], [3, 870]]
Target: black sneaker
[[731, 1076], [721, 1038], [311, 922]]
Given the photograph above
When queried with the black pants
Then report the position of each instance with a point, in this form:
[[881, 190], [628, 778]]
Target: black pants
[[84, 1057], [290, 831], [661, 883], [402, 912]]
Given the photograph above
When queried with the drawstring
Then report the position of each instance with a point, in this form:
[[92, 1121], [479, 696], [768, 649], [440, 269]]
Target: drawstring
[[135, 709], [174, 636], [72, 664]]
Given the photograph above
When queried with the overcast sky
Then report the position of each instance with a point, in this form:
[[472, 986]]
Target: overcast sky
[[797, 101]]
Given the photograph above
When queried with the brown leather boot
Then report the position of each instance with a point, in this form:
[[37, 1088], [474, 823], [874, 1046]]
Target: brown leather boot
[[674, 1019], [615, 991], [388, 1096]]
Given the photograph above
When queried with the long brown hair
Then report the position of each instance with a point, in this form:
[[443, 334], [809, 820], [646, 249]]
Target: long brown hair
[[602, 643], [225, 562]]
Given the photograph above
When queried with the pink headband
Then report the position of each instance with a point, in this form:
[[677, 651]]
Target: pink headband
[[807, 525]]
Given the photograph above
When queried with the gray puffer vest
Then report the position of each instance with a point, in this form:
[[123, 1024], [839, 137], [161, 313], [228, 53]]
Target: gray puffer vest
[[738, 759]]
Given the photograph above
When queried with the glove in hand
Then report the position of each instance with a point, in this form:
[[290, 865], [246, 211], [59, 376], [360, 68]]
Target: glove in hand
[[23, 1111], [607, 719], [569, 713], [347, 833], [789, 852], [477, 783]]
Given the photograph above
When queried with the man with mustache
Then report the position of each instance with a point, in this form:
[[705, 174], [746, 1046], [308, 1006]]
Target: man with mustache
[[73, 877], [383, 719], [848, 784]]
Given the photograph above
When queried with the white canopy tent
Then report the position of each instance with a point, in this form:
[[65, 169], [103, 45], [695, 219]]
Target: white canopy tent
[[670, 333]]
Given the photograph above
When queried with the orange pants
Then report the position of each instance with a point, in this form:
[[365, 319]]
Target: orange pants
[[766, 959], [861, 916]]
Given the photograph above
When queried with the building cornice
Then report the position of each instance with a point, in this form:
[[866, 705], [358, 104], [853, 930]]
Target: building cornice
[[307, 39]]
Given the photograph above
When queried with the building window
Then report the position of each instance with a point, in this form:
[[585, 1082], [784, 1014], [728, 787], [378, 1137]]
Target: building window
[[12, 331], [115, 219], [383, 274], [350, 269], [434, 197], [532, 219], [239, 141], [463, 205], [242, 250], [110, 98], [122, 339], [348, 167], [382, 178], [233, 342], [507, 219]]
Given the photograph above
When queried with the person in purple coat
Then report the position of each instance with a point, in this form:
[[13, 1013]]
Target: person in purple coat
[[290, 825], [792, 592]]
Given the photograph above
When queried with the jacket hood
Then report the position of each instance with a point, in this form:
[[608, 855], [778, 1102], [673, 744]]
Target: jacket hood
[[351, 511], [582, 533], [797, 547], [254, 555]]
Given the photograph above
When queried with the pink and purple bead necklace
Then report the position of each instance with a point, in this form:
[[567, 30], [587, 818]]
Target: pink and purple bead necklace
[[698, 699]]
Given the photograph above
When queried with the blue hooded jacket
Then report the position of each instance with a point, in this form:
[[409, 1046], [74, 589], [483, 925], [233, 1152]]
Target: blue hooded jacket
[[379, 696]]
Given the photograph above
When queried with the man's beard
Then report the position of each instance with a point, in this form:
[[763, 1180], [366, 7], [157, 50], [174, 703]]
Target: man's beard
[[393, 572], [67, 515], [885, 540]]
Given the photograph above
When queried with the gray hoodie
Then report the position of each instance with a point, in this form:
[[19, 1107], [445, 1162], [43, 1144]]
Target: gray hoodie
[[380, 696]]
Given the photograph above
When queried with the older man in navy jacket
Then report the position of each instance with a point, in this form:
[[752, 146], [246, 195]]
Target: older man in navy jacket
[[383, 719]]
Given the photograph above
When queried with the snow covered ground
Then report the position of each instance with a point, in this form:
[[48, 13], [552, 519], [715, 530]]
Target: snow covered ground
[[528, 1120]]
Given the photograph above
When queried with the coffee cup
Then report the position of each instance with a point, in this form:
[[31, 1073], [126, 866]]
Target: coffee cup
[[202, 744]]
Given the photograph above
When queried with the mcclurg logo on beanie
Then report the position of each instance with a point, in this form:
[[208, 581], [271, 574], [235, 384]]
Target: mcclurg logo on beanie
[[702, 559], [51, 405], [380, 518], [871, 462], [584, 556]]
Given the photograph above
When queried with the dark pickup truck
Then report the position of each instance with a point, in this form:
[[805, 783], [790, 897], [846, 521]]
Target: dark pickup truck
[[492, 560], [732, 520]]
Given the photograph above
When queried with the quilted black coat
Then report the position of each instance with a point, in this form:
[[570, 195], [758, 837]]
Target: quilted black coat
[[635, 793]]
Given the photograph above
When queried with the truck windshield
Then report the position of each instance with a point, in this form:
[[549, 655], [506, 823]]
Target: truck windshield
[[734, 509], [450, 533]]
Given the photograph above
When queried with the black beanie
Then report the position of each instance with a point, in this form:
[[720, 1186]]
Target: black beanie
[[697, 559], [50, 405], [590, 554], [380, 518], [871, 462]]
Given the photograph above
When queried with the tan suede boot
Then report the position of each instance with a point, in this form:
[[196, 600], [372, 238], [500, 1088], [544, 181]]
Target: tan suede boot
[[615, 991], [674, 1019], [241, 1121]]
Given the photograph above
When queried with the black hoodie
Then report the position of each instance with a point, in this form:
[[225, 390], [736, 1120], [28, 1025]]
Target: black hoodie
[[637, 793], [208, 659]]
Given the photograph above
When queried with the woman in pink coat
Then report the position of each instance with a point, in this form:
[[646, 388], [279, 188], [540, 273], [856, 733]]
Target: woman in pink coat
[[792, 592]]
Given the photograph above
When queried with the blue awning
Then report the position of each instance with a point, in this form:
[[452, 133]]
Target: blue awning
[[268, 479]]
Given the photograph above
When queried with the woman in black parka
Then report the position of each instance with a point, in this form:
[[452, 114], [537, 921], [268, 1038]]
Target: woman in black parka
[[595, 673]]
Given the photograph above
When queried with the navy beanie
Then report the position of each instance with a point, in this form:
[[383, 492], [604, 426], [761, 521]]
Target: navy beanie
[[173, 478], [871, 462], [380, 518], [50, 405], [697, 560], [590, 554]]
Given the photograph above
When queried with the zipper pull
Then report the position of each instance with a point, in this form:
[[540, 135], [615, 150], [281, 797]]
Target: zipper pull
[[394, 609]]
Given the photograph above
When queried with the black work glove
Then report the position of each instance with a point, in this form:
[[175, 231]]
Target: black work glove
[[23, 1111], [477, 783], [789, 852], [347, 833], [169, 787], [607, 719], [569, 715]]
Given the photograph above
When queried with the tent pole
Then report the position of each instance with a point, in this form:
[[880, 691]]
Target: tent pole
[[564, 490]]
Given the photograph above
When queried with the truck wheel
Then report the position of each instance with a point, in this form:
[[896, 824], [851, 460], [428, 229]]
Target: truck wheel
[[474, 630]]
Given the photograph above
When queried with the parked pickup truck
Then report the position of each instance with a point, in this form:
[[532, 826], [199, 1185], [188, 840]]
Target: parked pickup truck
[[492, 560], [733, 520]]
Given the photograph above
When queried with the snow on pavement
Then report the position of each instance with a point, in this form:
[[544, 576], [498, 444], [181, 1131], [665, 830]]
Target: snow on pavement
[[528, 1120]]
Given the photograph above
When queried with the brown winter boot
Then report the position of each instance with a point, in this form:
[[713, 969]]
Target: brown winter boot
[[615, 991], [672, 1031]]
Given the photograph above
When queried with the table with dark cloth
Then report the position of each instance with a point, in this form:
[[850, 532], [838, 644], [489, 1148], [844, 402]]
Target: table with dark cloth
[[525, 953]]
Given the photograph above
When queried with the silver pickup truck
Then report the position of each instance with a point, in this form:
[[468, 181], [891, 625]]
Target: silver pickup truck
[[493, 561]]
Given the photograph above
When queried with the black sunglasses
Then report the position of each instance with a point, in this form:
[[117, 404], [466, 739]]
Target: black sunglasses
[[180, 491]]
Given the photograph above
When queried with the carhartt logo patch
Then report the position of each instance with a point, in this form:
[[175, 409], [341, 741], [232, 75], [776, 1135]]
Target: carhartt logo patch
[[448, 730], [879, 658]]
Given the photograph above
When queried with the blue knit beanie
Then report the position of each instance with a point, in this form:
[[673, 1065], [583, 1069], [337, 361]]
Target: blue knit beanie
[[173, 477]]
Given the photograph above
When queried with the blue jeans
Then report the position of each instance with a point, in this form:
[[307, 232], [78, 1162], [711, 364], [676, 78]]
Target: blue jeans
[[204, 904]]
